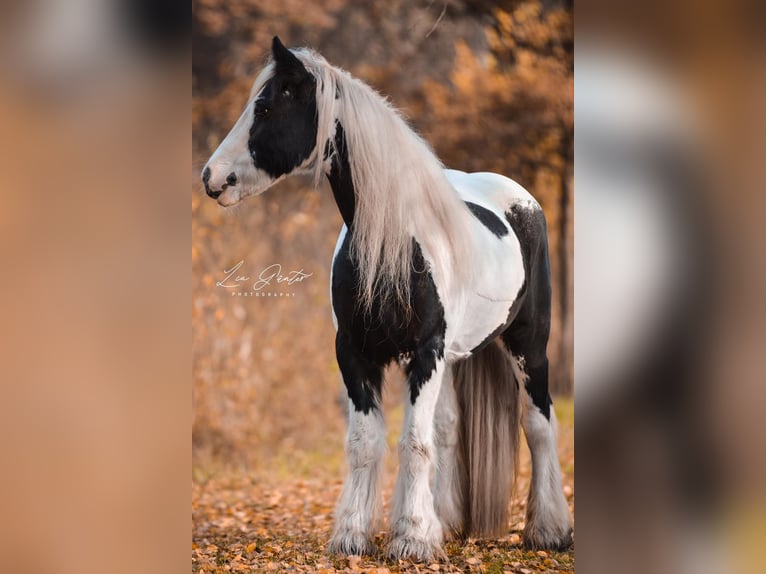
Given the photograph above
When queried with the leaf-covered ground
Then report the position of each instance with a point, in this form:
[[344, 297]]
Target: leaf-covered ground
[[281, 522], [241, 526]]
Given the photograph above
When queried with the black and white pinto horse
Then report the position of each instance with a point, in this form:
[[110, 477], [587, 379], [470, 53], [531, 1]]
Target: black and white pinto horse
[[442, 272]]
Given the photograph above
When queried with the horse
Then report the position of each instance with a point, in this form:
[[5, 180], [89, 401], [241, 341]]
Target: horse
[[442, 273]]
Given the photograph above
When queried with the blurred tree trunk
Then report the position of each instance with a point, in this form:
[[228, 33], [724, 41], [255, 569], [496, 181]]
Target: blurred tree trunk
[[562, 379]]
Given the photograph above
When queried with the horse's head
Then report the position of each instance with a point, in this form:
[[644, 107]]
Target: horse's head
[[275, 135]]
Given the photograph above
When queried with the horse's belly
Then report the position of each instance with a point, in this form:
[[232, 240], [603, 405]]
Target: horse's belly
[[483, 323]]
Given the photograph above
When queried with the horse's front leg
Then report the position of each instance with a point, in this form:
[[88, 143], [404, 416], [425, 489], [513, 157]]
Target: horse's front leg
[[416, 531], [357, 510]]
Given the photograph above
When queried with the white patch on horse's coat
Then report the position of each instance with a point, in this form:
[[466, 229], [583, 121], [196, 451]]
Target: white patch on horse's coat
[[358, 508], [447, 489], [416, 531], [338, 245], [548, 523], [491, 190]]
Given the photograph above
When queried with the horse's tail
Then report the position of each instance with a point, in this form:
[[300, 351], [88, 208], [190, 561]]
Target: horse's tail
[[487, 390]]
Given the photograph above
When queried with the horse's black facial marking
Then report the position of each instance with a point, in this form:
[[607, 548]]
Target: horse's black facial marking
[[284, 129], [488, 219]]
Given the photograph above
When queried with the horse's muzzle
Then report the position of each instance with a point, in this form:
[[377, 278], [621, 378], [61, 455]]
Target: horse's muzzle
[[231, 179]]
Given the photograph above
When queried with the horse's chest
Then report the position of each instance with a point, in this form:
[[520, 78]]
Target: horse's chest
[[387, 331]]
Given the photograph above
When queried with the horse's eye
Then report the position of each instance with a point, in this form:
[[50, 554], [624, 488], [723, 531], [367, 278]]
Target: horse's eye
[[286, 93], [261, 108]]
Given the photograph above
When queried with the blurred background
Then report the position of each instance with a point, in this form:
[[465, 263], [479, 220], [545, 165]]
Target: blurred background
[[669, 313], [95, 178], [94, 240], [489, 84]]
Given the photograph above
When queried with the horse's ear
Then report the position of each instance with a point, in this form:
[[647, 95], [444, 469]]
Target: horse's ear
[[284, 59]]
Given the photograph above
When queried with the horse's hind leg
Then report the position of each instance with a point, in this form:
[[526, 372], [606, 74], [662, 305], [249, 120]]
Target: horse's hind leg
[[448, 488], [547, 519], [359, 502]]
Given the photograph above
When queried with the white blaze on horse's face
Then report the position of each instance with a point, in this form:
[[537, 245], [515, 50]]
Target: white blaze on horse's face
[[230, 174]]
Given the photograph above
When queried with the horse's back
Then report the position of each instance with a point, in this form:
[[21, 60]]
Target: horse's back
[[491, 190], [511, 204]]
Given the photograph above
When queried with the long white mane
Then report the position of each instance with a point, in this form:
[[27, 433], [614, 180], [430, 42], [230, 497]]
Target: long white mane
[[401, 190]]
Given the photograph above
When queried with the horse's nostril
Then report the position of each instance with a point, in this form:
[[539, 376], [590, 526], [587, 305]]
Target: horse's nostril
[[206, 182], [231, 179]]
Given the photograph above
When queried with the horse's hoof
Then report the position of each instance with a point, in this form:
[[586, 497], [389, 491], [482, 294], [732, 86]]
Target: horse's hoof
[[542, 539], [351, 543], [451, 523], [416, 549]]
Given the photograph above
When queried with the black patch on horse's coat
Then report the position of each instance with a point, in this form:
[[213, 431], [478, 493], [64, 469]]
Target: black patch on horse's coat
[[388, 330], [421, 367], [527, 326], [363, 379], [284, 129], [340, 178], [527, 334], [373, 339], [488, 219]]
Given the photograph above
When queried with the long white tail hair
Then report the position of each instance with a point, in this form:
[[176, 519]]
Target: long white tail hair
[[487, 386]]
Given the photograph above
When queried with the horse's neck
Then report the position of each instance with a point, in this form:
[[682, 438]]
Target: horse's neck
[[340, 179]]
